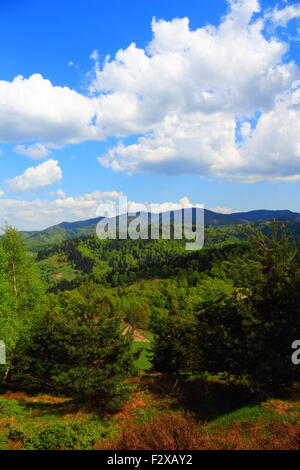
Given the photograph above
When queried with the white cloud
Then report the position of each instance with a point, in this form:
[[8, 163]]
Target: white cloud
[[1, 193], [274, 148], [246, 129], [35, 151], [194, 143], [280, 17], [40, 176], [223, 210], [190, 88], [184, 202], [60, 193], [87, 201], [185, 94], [39, 214], [34, 109]]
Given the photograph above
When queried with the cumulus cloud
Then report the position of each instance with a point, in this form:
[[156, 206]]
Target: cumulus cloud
[[40, 176], [33, 109], [196, 143], [35, 151], [193, 87], [184, 94]]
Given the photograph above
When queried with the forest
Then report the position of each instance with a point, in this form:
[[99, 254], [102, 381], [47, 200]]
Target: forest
[[140, 344]]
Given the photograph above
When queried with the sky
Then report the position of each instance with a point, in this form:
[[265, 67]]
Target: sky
[[162, 102]]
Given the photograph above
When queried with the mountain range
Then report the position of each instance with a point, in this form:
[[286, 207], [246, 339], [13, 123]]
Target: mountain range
[[67, 230]]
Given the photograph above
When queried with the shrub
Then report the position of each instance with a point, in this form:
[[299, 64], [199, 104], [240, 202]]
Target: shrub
[[177, 432], [167, 431], [56, 436], [11, 408]]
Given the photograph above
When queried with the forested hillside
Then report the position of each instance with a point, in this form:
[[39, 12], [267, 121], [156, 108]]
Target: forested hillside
[[105, 326], [67, 230]]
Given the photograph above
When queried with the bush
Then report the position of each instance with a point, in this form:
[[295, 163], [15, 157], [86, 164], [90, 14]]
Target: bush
[[3, 440], [56, 436], [11, 408], [137, 314], [167, 431], [177, 432]]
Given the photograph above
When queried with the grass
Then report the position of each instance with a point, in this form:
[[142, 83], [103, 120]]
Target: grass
[[44, 422], [147, 421], [57, 268], [143, 363], [248, 415]]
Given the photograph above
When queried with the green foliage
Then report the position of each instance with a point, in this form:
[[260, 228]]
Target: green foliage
[[143, 361], [79, 350], [251, 335], [136, 312], [56, 270], [174, 346], [116, 263], [11, 408], [246, 321], [7, 305], [230, 310], [22, 294], [55, 436], [245, 415]]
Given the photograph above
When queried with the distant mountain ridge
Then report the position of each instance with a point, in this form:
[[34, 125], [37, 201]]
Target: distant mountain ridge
[[67, 230], [265, 215]]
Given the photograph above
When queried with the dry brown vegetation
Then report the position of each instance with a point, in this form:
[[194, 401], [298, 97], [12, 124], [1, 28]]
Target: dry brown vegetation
[[177, 432], [147, 422]]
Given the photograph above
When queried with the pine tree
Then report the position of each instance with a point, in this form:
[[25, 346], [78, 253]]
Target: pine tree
[[80, 350], [250, 336]]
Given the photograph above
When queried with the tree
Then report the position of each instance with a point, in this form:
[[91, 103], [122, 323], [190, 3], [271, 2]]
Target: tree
[[137, 313], [80, 351], [174, 348], [24, 293], [7, 304]]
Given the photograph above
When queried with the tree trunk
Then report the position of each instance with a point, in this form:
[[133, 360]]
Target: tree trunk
[[5, 376]]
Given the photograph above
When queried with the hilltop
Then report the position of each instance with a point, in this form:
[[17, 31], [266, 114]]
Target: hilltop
[[68, 230]]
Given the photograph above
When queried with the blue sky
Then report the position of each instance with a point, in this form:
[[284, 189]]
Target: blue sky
[[205, 105]]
